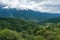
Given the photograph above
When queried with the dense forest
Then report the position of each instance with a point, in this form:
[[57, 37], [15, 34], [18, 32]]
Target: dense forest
[[17, 29]]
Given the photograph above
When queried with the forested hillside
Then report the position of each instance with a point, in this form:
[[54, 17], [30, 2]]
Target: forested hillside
[[54, 20], [17, 29]]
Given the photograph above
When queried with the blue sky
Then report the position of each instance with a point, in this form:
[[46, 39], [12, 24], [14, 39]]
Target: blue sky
[[37, 5]]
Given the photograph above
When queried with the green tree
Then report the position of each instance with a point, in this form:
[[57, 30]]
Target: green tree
[[39, 38], [7, 34]]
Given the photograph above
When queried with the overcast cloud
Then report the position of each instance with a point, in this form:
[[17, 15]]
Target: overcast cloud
[[37, 5]]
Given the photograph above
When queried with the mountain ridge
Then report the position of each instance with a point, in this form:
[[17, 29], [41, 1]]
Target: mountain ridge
[[29, 15]]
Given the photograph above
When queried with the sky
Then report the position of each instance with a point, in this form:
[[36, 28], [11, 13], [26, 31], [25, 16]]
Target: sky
[[36, 5]]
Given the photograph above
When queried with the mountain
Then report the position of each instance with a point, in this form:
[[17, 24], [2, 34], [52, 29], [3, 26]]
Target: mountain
[[29, 15], [54, 20]]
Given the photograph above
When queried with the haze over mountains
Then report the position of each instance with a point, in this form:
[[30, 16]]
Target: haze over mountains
[[29, 15], [37, 5]]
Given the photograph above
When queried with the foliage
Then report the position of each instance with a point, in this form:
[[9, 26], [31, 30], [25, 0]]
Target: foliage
[[16, 29], [7, 34]]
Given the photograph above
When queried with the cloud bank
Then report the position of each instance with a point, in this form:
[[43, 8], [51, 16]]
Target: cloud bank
[[37, 5]]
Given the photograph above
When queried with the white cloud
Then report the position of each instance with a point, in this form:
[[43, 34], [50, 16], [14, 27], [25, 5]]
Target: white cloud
[[37, 5]]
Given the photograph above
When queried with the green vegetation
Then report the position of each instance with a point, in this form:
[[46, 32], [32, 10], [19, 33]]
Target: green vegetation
[[16, 29]]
